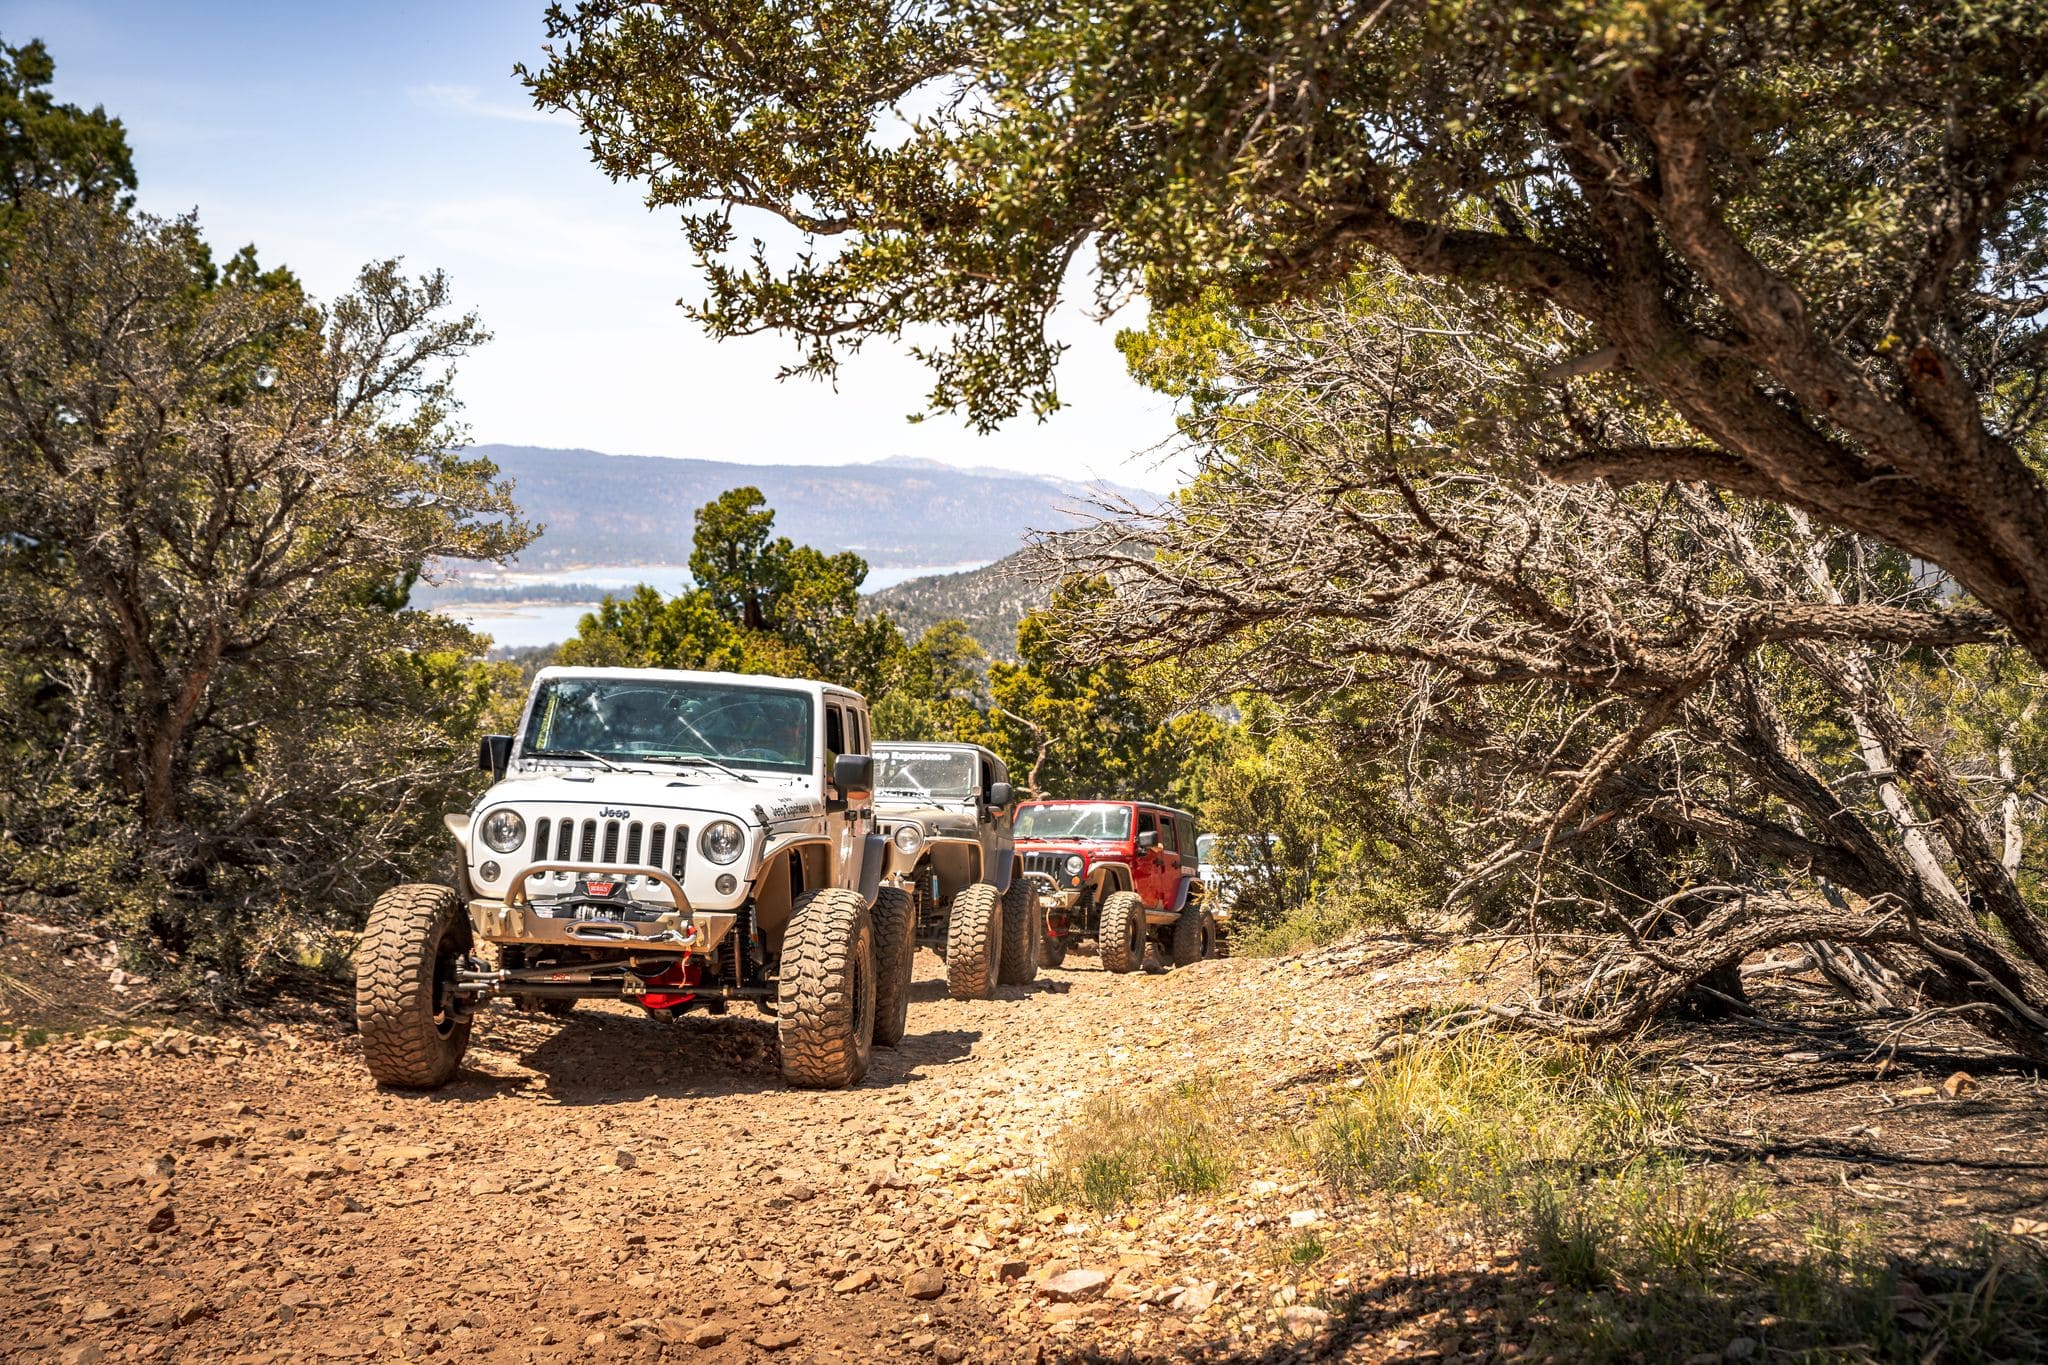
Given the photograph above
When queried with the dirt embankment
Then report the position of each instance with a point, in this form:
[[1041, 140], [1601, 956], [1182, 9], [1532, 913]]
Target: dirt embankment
[[614, 1187]]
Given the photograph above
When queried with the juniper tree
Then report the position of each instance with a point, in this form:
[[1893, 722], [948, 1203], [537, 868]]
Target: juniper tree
[[1809, 236]]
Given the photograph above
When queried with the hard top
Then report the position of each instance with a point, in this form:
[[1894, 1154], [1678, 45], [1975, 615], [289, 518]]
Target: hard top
[[958, 746], [1102, 801], [993, 767], [809, 685]]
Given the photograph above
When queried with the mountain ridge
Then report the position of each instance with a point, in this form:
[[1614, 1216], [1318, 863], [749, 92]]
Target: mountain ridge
[[598, 508]]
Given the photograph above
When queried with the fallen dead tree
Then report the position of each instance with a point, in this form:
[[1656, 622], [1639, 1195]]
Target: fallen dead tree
[[1670, 728]]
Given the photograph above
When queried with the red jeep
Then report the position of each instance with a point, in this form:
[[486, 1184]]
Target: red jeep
[[1120, 872]]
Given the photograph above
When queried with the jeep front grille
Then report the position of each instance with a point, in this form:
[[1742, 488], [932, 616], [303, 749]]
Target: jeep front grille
[[1048, 863], [562, 841]]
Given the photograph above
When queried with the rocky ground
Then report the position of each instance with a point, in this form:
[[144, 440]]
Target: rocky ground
[[614, 1187]]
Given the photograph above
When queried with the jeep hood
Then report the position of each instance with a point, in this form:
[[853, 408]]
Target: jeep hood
[[946, 820], [696, 789]]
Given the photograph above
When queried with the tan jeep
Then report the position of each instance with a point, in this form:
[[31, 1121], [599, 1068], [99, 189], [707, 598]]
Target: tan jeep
[[945, 810]]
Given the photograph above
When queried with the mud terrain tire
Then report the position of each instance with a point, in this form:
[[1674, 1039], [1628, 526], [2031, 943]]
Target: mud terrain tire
[[1186, 948], [1121, 938], [1023, 930], [413, 1035], [974, 943], [895, 920], [1212, 939], [825, 998]]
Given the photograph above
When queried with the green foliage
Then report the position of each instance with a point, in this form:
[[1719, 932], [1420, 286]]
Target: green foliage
[[1177, 1141], [224, 728], [1088, 728], [1480, 1117], [761, 605], [52, 148]]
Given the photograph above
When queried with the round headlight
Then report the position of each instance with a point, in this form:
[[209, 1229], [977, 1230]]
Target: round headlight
[[1074, 864], [722, 841], [909, 838], [503, 829]]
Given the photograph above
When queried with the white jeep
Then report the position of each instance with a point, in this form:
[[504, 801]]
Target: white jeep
[[674, 839]]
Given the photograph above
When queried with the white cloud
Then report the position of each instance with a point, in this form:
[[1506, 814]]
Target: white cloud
[[467, 99]]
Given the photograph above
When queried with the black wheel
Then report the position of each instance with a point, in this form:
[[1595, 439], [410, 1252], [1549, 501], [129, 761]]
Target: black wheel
[[894, 916], [414, 1029], [1184, 949], [825, 997], [1121, 938], [1023, 931], [974, 943]]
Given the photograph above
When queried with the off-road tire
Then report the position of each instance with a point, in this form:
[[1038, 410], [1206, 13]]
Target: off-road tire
[[415, 936], [895, 919], [1121, 939], [1023, 929], [974, 943], [1184, 948], [825, 996], [1212, 938]]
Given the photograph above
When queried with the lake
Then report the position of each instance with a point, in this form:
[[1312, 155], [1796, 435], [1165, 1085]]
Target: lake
[[521, 625]]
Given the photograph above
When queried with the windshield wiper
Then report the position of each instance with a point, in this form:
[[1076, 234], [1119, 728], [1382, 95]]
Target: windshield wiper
[[706, 762], [598, 759]]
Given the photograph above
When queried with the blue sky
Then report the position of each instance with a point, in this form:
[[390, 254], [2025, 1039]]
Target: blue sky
[[333, 134]]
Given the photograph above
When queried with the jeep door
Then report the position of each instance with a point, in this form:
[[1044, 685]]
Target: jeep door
[[1155, 870], [846, 825]]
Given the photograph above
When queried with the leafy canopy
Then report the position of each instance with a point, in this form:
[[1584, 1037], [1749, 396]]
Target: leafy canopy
[[52, 148], [1806, 237]]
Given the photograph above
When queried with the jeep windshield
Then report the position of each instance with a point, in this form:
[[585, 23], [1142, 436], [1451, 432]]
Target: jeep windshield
[[1074, 822], [926, 774], [679, 722]]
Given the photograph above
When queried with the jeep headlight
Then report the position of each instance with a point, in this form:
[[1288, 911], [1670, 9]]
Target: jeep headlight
[[722, 842], [909, 838], [1074, 864], [504, 830]]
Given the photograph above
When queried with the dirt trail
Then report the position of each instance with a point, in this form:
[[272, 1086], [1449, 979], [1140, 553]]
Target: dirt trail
[[617, 1188], [612, 1187]]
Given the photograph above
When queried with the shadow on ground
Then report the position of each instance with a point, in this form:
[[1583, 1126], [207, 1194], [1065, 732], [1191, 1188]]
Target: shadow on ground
[[594, 1058]]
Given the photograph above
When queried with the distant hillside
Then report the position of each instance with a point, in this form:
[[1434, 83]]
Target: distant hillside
[[991, 600], [634, 509]]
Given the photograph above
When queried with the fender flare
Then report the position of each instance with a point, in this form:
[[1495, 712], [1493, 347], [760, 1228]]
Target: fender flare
[[1005, 874], [780, 844], [1189, 887], [1107, 877], [874, 856]]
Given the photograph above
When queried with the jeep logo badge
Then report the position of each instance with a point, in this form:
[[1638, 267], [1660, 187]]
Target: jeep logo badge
[[609, 814]]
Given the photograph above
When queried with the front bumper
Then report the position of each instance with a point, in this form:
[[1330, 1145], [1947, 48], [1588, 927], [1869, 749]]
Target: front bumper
[[1053, 896], [517, 919]]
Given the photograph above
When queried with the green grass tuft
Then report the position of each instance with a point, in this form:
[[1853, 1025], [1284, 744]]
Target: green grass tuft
[[1175, 1142]]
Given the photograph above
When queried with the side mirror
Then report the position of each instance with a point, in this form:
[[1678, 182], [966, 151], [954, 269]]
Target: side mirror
[[854, 776], [1000, 795], [494, 755], [1149, 839]]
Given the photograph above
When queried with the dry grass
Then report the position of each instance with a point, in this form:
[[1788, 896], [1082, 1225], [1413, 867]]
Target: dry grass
[[1573, 1155], [1178, 1141]]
